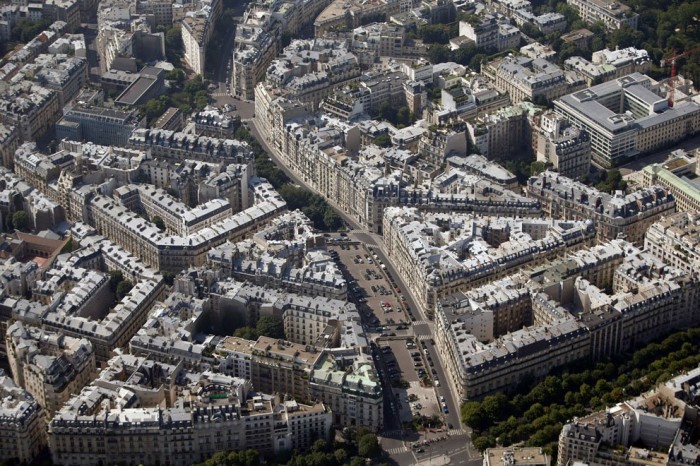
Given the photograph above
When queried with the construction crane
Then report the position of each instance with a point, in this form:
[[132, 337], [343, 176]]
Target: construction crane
[[674, 72]]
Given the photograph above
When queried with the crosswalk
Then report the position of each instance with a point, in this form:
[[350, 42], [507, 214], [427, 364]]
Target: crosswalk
[[221, 94], [397, 450], [456, 432]]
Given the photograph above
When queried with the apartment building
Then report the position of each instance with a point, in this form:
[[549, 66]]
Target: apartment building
[[503, 244], [480, 166], [611, 12], [490, 34], [272, 366], [674, 240], [565, 148], [178, 218], [614, 215], [50, 366], [628, 116], [255, 48], [9, 142], [22, 423], [59, 72], [384, 40], [311, 70], [197, 28], [526, 79], [212, 122], [173, 252], [653, 427], [177, 146], [318, 150], [341, 14], [502, 133], [350, 387], [206, 413], [518, 456], [80, 308], [32, 109], [563, 314], [285, 254]]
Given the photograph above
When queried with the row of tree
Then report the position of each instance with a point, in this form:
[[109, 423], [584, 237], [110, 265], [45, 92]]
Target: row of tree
[[359, 447], [535, 414], [314, 206]]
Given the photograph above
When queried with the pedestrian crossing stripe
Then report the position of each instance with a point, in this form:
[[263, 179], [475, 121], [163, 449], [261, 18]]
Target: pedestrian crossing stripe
[[397, 450], [456, 432]]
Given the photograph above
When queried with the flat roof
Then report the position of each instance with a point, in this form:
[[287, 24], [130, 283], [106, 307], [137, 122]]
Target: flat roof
[[135, 91]]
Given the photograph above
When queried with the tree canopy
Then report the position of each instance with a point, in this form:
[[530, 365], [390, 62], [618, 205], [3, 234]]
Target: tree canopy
[[269, 326], [536, 413]]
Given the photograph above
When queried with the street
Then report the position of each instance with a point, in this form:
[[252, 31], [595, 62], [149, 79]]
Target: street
[[397, 442]]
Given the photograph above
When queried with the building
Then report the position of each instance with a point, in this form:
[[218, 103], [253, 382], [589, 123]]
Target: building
[[149, 85], [59, 72], [350, 387], [9, 142], [32, 109], [100, 125], [22, 423], [197, 28], [625, 61], [175, 146], [272, 366], [50, 366], [526, 79], [160, 413], [651, 428], [489, 34], [627, 117], [581, 38], [611, 12], [524, 456], [212, 122], [497, 246], [171, 120], [530, 323], [502, 133], [564, 148], [674, 240], [685, 189], [614, 215]]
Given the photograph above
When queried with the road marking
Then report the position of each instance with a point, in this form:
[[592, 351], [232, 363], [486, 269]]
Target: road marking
[[456, 432], [397, 450]]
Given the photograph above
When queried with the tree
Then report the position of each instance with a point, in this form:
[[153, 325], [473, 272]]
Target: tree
[[269, 326], [472, 415], [625, 37], [438, 53], [158, 222], [382, 141], [537, 167], [123, 289], [331, 219], [368, 446], [115, 278], [20, 220], [247, 333], [475, 63], [168, 277], [340, 455]]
